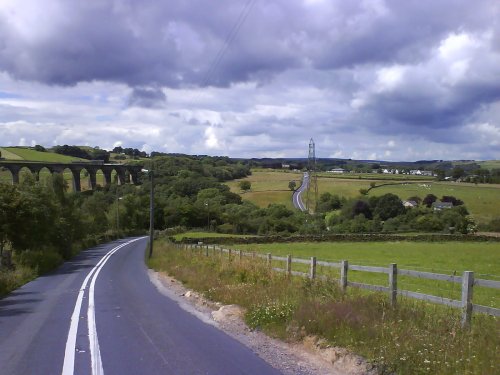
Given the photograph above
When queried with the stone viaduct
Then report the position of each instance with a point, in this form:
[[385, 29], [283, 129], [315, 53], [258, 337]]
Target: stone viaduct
[[76, 168]]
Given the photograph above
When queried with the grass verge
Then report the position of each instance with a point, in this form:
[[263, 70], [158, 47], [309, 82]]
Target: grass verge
[[415, 338]]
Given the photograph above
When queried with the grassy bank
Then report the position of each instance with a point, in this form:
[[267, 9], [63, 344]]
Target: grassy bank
[[416, 338]]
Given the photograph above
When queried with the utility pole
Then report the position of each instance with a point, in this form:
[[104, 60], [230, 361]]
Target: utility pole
[[151, 214], [151, 210]]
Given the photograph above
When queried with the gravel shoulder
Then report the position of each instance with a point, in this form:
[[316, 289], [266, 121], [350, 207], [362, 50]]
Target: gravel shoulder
[[308, 357]]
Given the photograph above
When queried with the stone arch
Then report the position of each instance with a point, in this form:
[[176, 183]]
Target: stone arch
[[97, 172], [41, 172], [24, 172]]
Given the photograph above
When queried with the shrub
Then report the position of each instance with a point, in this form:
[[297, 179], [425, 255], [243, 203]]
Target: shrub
[[40, 261], [270, 313], [13, 279]]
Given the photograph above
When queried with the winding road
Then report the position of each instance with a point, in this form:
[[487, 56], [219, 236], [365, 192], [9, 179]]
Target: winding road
[[100, 314], [297, 195]]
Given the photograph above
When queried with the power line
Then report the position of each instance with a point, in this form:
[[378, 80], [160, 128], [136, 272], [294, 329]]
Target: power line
[[228, 41]]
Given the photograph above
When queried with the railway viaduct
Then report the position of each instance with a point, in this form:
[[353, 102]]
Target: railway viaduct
[[124, 172]]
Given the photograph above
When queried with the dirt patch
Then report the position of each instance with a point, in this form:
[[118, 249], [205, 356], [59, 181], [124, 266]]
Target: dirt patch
[[311, 356]]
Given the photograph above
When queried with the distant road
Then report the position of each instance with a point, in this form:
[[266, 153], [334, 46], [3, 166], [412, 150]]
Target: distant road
[[100, 314], [297, 195]]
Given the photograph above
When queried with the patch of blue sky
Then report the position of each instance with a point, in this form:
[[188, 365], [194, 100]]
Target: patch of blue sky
[[103, 118], [8, 95]]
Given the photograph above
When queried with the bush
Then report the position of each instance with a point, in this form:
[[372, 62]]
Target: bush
[[494, 224], [13, 279], [40, 261]]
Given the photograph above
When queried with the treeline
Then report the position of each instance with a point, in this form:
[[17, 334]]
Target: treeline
[[41, 224], [387, 213], [77, 152], [189, 193]]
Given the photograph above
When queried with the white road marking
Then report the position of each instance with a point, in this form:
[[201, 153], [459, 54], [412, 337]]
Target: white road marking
[[69, 353]]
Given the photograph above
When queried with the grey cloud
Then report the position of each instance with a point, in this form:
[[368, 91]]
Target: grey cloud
[[174, 43], [147, 97]]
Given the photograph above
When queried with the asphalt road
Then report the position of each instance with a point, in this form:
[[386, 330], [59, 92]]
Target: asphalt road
[[100, 314], [297, 195]]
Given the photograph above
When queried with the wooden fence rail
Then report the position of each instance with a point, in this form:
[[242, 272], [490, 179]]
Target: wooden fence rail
[[467, 280]]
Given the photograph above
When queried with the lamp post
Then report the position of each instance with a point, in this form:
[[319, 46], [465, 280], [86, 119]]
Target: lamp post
[[208, 215], [151, 212]]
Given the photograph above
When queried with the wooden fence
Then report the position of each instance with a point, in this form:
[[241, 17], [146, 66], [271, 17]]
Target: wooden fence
[[467, 279]]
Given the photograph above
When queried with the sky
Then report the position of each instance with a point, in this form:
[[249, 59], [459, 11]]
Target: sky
[[372, 80]]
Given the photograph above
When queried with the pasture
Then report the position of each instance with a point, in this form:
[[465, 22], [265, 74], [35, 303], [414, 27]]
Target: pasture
[[451, 258], [268, 187], [482, 200], [27, 154]]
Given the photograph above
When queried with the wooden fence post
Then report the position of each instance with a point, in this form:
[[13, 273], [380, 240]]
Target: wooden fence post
[[344, 266], [467, 287], [269, 259], [288, 265], [393, 284], [229, 252], [206, 251], [312, 270], [241, 255]]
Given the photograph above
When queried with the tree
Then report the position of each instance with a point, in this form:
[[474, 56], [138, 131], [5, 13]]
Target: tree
[[429, 200], [452, 200], [457, 172], [388, 206], [363, 191], [39, 148], [328, 202], [440, 174], [361, 207], [245, 185], [292, 185]]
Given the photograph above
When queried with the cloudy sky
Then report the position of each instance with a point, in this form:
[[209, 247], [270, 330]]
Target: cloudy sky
[[373, 79]]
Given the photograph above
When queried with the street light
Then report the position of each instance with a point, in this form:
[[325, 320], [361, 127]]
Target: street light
[[151, 211], [208, 213]]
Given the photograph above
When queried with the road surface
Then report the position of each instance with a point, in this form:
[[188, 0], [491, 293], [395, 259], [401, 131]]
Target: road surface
[[297, 195], [100, 314]]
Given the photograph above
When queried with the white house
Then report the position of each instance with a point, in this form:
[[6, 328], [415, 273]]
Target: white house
[[337, 170]]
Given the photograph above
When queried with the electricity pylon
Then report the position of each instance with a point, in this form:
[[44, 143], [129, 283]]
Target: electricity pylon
[[312, 188]]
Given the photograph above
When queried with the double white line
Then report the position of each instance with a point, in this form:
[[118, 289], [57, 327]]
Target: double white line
[[95, 353]]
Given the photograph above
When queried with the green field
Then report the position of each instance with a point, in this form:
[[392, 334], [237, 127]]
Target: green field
[[268, 187], [27, 154], [375, 176], [482, 200], [446, 258]]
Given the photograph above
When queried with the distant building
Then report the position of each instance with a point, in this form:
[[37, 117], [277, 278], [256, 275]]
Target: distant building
[[439, 206], [418, 172], [285, 166], [337, 170], [410, 204]]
